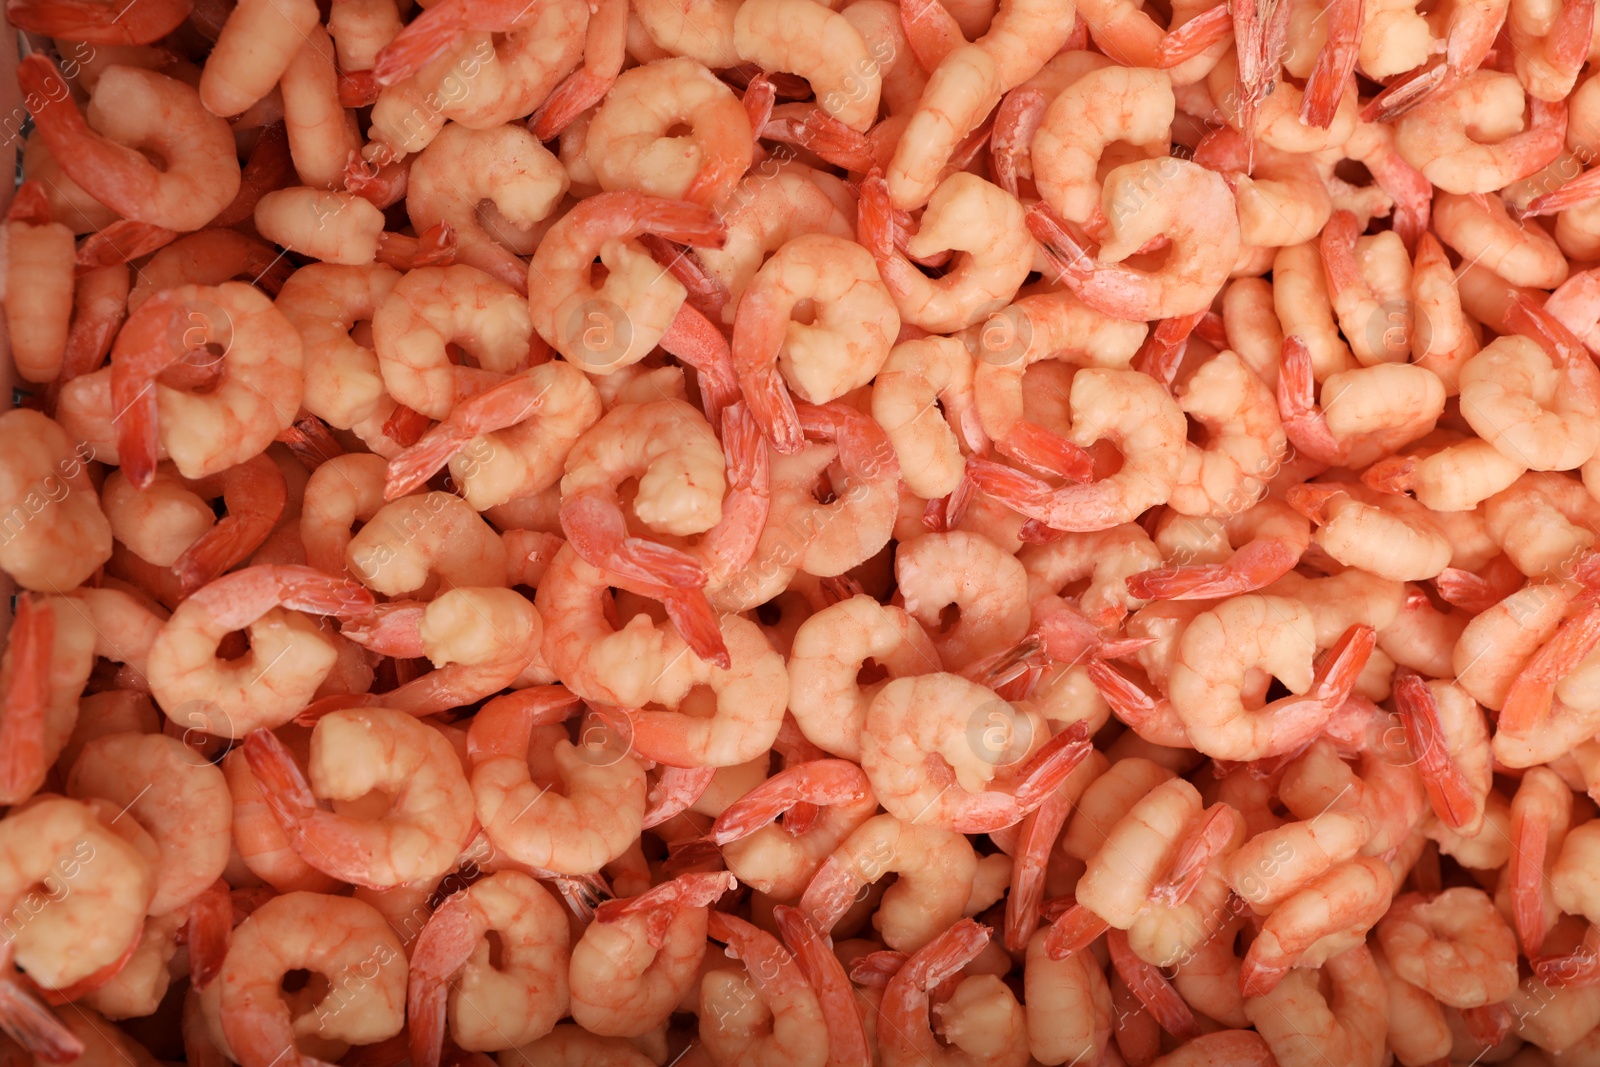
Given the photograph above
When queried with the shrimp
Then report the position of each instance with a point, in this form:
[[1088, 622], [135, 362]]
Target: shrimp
[[1196, 265], [629, 146], [779, 861], [335, 227], [1535, 408], [986, 585], [420, 545], [1366, 412], [1446, 472], [935, 870], [231, 698], [669, 448], [928, 436], [1147, 426], [130, 112], [641, 956], [1069, 1005], [907, 1036], [430, 812], [323, 302], [506, 165], [1244, 438], [1326, 918], [989, 749], [1389, 535], [1456, 946], [500, 999], [37, 285], [55, 533], [855, 323], [829, 650], [507, 442], [206, 432], [81, 886], [544, 801], [98, 23], [1303, 1027], [182, 801], [751, 692], [1542, 522], [762, 1015], [1219, 648], [344, 940], [819, 45], [639, 305], [1101, 108], [986, 273], [1267, 540], [1482, 230], [433, 306], [1439, 137]]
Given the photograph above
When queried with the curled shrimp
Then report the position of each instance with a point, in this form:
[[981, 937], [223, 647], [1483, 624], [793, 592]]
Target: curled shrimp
[[1195, 267], [234, 697], [963, 736], [639, 958], [987, 270], [855, 325], [64, 536], [499, 1003], [419, 836], [133, 111], [628, 144], [346, 940], [1457, 946], [1132, 410]]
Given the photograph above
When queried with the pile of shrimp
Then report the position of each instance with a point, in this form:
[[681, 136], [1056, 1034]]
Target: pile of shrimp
[[802, 533]]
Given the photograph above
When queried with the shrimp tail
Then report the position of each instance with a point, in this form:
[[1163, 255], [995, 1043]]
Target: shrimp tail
[[1049, 767], [30, 205], [1035, 840], [1201, 847], [443, 948], [1194, 36], [1392, 474], [847, 1034], [311, 442], [121, 242], [34, 1026], [1488, 1023], [1073, 931], [1046, 452], [1162, 352], [1257, 979], [207, 932], [283, 783], [773, 409], [424, 39], [1448, 791], [1128, 700], [99, 23], [1529, 841], [1330, 75], [675, 790], [1341, 665], [698, 624], [1572, 970], [577, 93], [931, 30], [1020, 115], [597, 531], [676, 220], [1255, 565], [306, 589], [393, 629], [412, 468], [1528, 701], [875, 969], [823, 781], [1146, 982], [226, 544], [22, 727], [695, 340], [1005, 483], [1580, 190]]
